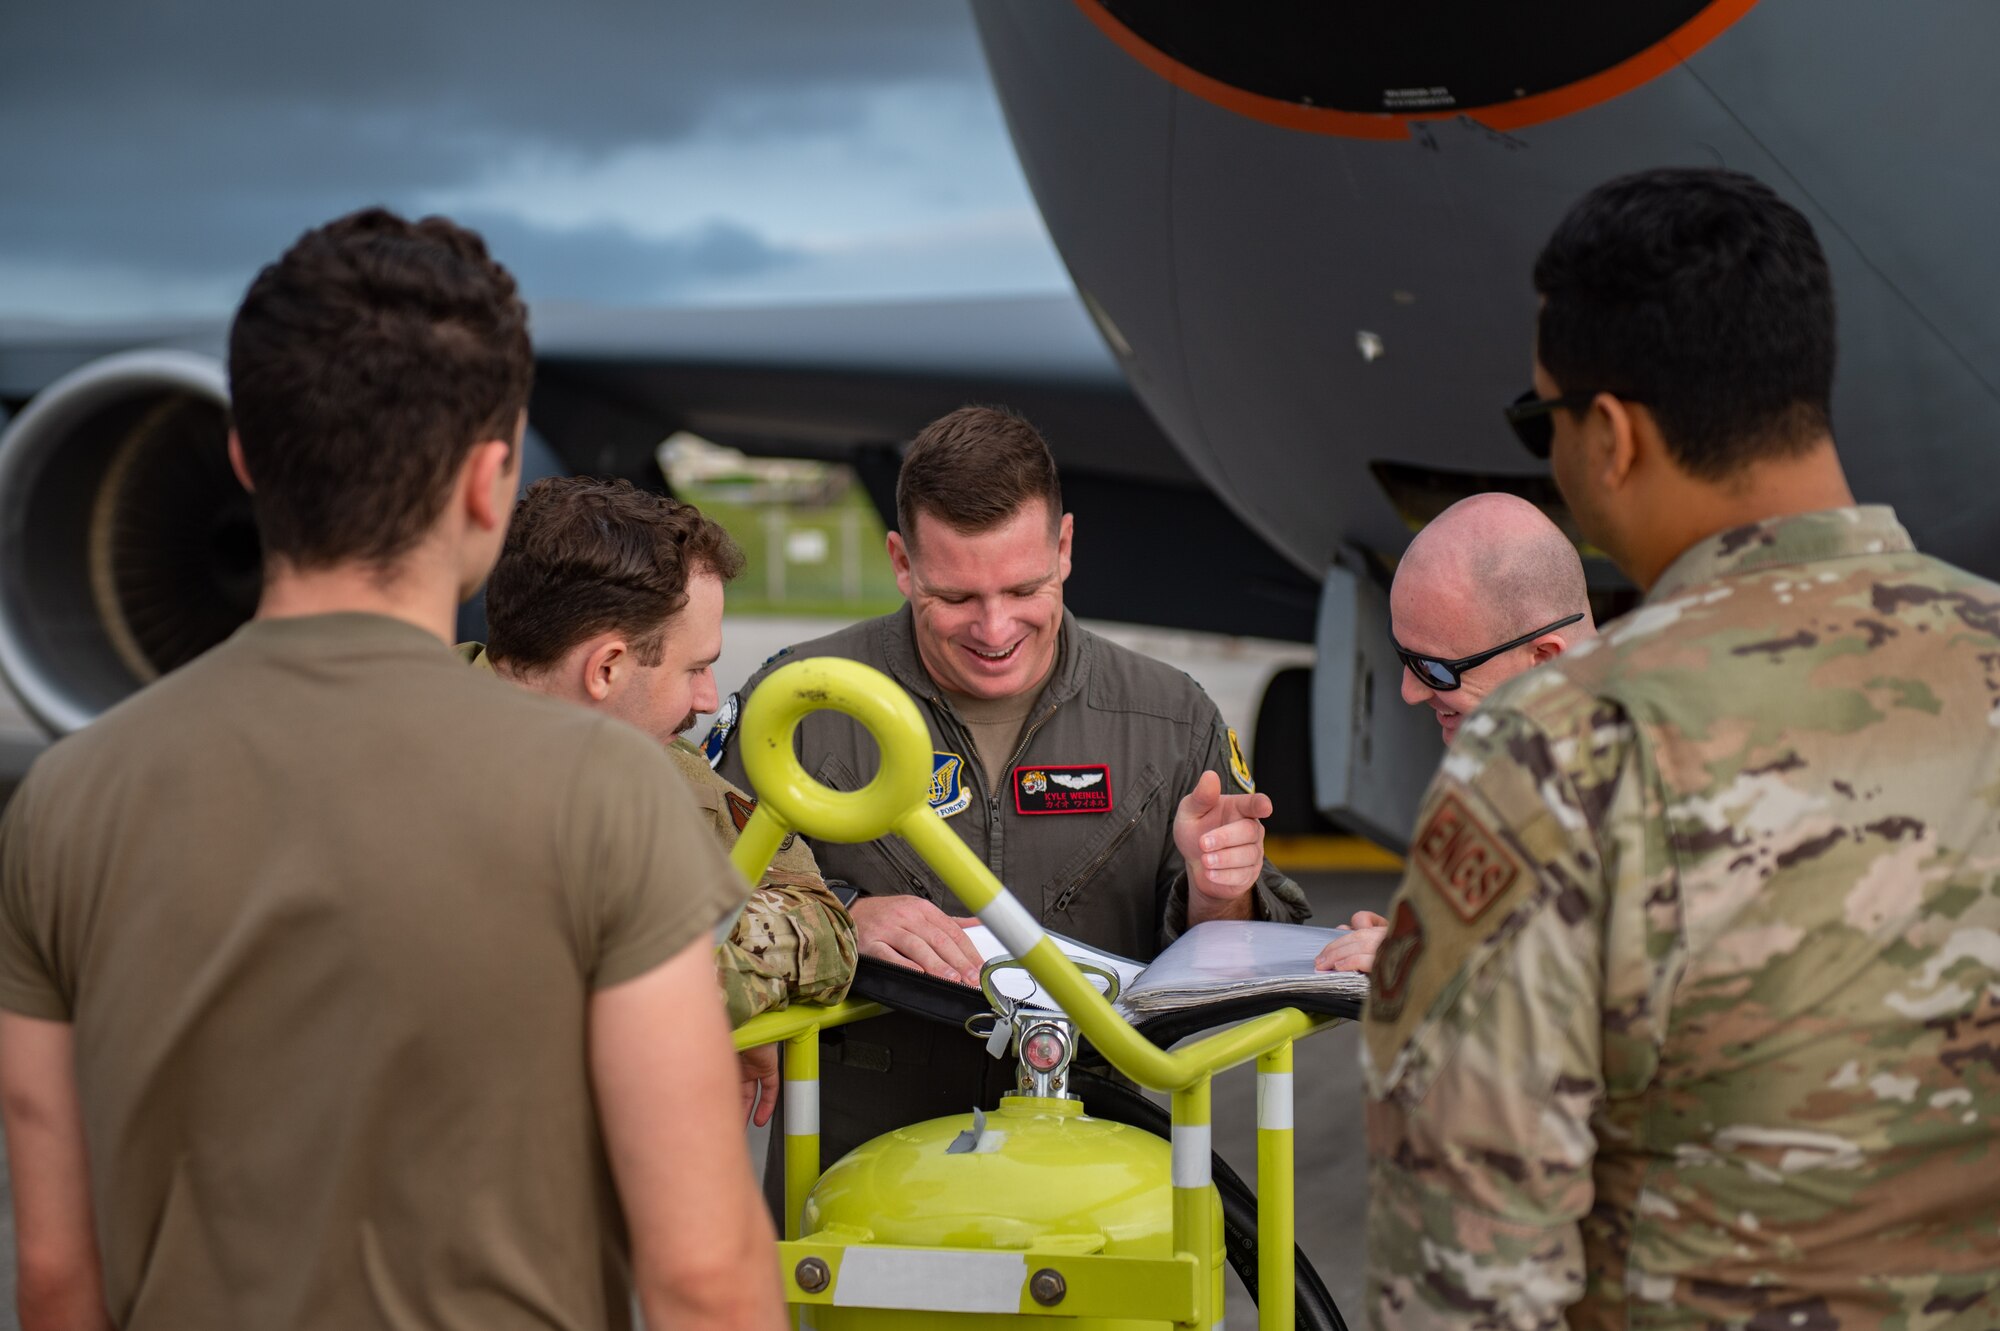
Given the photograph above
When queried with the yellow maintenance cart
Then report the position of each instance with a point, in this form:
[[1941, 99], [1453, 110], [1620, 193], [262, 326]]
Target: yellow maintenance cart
[[1036, 1208]]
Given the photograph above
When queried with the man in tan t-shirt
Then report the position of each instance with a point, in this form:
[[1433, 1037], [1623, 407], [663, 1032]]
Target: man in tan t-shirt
[[338, 989]]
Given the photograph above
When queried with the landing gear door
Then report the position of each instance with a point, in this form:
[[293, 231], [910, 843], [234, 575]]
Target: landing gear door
[[1373, 754]]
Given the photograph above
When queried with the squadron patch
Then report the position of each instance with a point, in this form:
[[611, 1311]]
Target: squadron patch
[[1238, 768], [948, 792], [1075, 788], [1468, 865], [740, 809], [1394, 962], [717, 740]]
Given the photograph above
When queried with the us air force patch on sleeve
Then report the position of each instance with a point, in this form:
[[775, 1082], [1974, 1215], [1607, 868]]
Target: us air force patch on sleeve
[[1394, 961], [948, 792], [1468, 865], [1239, 768], [717, 739]]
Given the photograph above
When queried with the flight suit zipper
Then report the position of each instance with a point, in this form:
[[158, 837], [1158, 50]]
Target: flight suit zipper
[[994, 843], [1103, 857]]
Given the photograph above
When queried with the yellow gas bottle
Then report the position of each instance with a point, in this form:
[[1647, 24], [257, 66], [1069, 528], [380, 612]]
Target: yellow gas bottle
[[1010, 1194]]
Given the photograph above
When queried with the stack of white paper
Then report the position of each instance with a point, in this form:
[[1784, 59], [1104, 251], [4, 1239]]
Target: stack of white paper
[[1238, 959], [1212, 961]]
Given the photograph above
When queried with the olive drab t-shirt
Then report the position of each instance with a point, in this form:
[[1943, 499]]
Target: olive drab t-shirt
[[326, 914]]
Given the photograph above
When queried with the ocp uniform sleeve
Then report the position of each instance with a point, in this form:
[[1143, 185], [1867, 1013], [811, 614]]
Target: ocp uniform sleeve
[[793, 943], [1482, 1048]]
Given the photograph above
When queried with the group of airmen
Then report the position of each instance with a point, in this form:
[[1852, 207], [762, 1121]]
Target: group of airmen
[[345, 981]]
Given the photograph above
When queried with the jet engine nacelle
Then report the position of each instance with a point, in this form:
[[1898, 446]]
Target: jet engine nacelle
[[127, 547]]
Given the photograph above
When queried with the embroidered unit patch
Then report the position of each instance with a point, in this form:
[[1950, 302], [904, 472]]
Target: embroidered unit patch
[[717, 740], [1072, 788], [1468, 865], [948, 792], [1238, 768], [1394, 962]]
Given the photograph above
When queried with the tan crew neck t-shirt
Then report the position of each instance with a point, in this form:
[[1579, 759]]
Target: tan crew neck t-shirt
[[326, 911]]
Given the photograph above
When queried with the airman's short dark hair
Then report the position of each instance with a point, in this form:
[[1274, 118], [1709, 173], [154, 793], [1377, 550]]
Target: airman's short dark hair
[[586, 556], [1704, 296], [363, 365], [973, 469]]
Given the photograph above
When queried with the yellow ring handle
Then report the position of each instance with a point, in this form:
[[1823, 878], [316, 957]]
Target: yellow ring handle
[[772, 716]]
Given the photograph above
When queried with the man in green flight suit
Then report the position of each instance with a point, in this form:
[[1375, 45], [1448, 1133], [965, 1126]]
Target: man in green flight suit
[[612, 597], [1688, 1008], [1103, 787]]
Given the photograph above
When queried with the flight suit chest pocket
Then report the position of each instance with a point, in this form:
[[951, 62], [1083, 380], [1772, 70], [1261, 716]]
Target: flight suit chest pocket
[[1133, 834], [884, 865]]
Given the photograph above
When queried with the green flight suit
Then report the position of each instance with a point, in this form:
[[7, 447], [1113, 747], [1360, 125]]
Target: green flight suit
[[1133, 733]]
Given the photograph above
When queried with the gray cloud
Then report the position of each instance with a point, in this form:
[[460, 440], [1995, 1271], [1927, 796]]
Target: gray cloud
[[195, 140]]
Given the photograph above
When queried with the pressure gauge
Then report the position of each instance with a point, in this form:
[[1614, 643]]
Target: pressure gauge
[[1044, 1049]]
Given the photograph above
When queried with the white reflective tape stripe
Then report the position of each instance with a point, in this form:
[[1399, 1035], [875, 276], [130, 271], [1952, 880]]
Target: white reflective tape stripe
[[1191, 1162], [802, 1108], [1274, 1101], [1011, 924], [957, 1280]]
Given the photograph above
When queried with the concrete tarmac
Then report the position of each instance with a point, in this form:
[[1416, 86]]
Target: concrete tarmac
[[1332, 1165]]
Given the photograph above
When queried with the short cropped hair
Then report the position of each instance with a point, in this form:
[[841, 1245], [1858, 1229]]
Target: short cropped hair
[[586, 556], [973, 469], [363, 366], [1702, 295]]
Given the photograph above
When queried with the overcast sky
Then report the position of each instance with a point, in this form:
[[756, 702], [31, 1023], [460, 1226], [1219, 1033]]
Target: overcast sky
[[153, 153]]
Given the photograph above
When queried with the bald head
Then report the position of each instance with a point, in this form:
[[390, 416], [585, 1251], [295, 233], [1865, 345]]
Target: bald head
[[1485, 571]]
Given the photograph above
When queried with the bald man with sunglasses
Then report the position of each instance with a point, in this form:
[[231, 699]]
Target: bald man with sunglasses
[[1489, 589]]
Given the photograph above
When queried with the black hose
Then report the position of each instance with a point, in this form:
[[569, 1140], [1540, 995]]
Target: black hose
[[1116, 1102]]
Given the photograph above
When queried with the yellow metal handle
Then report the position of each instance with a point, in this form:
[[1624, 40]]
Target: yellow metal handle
[[897, 801]]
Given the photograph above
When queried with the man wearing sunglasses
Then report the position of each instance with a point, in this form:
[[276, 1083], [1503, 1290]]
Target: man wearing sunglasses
[[1490, 588], [1686, 1011]]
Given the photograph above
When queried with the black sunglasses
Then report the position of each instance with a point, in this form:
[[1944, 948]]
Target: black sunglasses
[[1443, 676], [1529, 415]]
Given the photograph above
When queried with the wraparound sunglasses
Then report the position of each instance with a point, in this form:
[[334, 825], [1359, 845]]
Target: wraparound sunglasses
[[1443, 676]]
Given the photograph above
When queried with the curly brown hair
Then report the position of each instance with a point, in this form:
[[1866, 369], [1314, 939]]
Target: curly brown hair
[[587, 556]]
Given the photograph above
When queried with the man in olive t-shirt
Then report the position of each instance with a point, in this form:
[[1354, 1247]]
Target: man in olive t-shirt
[[339, 989]]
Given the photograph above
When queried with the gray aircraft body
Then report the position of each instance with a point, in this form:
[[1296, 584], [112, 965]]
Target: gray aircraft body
[[1303, 236]]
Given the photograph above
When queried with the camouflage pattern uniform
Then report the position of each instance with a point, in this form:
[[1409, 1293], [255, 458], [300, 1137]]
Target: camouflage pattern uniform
[[1689, 1012], [794, 941]]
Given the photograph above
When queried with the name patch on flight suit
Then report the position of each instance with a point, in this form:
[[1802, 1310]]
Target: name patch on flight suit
[[1467, 865], [948, 792], [1076, 788]]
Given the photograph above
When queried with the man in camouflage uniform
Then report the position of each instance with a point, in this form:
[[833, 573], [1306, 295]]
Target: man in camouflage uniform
[[1689, 1012], [612, 597]]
